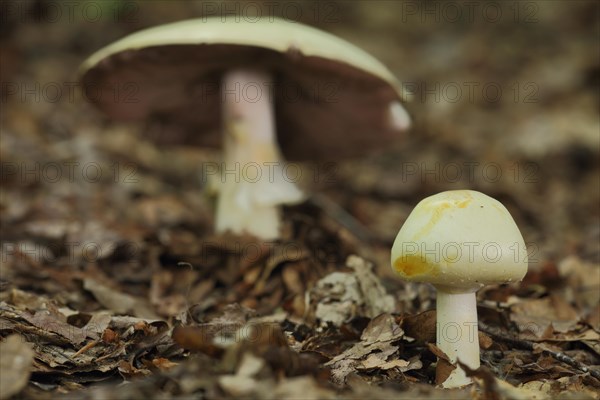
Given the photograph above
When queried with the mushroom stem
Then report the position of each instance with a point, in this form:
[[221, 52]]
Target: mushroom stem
[[457, 334], [253, 183]]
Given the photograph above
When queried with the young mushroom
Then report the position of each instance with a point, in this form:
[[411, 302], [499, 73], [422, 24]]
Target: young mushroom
[[259, 89], [459, 241]]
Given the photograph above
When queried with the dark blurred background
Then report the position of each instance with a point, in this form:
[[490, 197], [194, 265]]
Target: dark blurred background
[[505, 100]]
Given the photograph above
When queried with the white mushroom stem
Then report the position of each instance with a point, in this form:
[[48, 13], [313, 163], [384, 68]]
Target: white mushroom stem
[[457, 334], [253, 183]]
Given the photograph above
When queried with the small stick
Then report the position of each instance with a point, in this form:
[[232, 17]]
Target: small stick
[[86, 348], [529, 345], [342, 217]]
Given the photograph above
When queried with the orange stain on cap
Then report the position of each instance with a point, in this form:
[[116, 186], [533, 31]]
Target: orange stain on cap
[[463, 204], [439, 208], [411, 265]]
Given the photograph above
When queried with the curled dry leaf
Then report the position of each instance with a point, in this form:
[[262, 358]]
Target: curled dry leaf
[[337, 297], [374, 350], [340, 296], [375, 297]]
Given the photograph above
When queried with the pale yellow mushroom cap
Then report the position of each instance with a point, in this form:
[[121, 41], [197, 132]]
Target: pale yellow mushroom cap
[[269, 33], [460, 239]]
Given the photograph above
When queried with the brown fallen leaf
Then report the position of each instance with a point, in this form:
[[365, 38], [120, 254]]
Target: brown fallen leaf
[[125, 322], [582, 279], [494, 388], [278, 255], [50, 323], [109, 336], [542, 318], [171, 304], [421, 327], [593, 318], [444, 367], [544, 350], [98, 240], [374, 350], [165, 210], [118, 302], [16, 357], [485, 342], [163, 364], [291, 363], [383, 328], [374, 361], [198, 339], [98, 323], [233, 315], [213, 337], [30, 301], [129, 371], [291, 278]]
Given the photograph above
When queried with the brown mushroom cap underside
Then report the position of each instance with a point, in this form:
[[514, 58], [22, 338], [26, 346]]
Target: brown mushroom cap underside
[[324, 109]]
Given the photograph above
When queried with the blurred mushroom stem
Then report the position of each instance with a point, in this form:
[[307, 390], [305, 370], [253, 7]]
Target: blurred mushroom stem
[[457, 333], [253, 183]]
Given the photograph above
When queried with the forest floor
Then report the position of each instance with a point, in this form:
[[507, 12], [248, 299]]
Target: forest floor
[[113, 284]]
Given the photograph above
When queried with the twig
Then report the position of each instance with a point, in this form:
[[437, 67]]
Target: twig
[[342, 217], [529, 345], [86, 348]]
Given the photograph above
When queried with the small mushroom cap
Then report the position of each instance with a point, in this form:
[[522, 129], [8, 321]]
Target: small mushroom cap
[[331, 98], [460, 240]]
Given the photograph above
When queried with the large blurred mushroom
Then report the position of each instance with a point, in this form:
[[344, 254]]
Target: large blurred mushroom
[[242, 81]]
